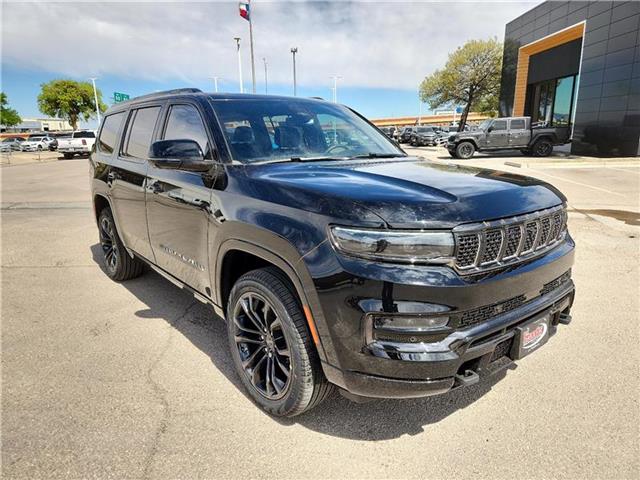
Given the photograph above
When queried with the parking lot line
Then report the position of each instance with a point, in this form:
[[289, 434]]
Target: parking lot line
[[578, 183]]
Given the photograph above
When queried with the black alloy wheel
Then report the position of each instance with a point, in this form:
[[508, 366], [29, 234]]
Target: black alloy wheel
[[108, 243], [465, 150], [542, 148], [262, 345], [119, 265], [271, 345]]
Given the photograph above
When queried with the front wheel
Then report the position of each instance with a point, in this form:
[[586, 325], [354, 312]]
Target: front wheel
[[465, 150], [542, 148], [271, 346]]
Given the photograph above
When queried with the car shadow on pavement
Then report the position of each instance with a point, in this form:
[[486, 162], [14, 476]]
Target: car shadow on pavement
[[336, 416]]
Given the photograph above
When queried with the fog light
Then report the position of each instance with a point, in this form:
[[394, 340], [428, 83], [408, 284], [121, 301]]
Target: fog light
[[408, 323]]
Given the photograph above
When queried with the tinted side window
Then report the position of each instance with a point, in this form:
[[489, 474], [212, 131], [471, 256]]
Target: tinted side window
[[108, 134], [517, 124], [500, 125], [184, 123], [140, 134]]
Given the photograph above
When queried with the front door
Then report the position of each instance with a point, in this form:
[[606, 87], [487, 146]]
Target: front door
[[126, 179], [498, 137], [178, 204]]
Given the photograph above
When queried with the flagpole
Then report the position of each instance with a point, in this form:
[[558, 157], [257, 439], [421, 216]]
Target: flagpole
[[253, 63], [237, 39]]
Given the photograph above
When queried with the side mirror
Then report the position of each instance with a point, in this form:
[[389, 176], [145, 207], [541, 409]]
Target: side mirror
[[179, 154], [490, 129]]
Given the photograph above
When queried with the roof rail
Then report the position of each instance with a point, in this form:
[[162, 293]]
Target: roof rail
[[175, 91]]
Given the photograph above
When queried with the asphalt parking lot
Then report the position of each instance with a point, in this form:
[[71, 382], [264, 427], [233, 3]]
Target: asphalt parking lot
[[133, 380]]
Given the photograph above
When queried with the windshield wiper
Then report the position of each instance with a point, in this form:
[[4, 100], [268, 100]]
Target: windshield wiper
[[379, 155], [316, 159]]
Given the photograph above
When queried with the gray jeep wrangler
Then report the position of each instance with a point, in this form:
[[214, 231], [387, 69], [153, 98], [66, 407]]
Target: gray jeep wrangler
[[508, 134]]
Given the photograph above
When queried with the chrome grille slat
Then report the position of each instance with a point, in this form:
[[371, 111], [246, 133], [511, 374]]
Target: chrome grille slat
[[490, 245]]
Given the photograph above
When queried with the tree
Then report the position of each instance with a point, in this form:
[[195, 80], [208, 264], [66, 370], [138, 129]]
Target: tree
[[70, 100], [470, 77], [8, 116]]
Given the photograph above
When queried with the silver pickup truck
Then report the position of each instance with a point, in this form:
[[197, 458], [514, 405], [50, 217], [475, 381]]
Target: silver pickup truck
[[507, 134]]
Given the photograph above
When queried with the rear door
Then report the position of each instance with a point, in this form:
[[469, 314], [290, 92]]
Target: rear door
[[126, 178], [519, 134], [498, 137], [178, 203]]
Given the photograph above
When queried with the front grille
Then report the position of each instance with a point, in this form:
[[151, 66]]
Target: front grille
[[501, 350], [487, 312], [484, 313], [495, 244], [555, 283]]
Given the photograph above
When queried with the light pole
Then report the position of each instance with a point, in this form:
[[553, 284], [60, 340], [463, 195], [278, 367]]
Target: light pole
[[237, 39], [335, 87], [419, 107], [266, 82], [95, 97], [215, 83], [294, 50]]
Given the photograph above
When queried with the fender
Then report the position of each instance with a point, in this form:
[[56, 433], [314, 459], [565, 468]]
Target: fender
[[264, 244], [551, 136], [467, 139]]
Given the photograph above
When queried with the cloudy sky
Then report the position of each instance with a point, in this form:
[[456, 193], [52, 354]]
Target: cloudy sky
[[382, 50]]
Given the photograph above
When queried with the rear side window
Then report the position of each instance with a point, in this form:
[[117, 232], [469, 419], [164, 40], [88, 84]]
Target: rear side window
[[108, 134], [184, 123], [517, 124], [140, 132], [87, 134]]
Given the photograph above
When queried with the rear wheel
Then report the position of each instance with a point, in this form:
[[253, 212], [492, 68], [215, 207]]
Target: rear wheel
[[542, 148], [465, 150], [271, 346], [68, 155], [119, 265]]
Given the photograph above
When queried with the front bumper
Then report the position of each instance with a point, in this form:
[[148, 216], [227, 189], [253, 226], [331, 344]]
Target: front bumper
[[366, 365]]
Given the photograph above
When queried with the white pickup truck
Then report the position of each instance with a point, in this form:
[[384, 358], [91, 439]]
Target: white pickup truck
[[80, 142]]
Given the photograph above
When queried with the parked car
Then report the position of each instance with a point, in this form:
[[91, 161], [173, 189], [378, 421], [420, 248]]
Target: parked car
[[35, 143], [11, 144], [507, 134], [405, 135], [348, 265], [388, 131], [79, 143], [423, 136]]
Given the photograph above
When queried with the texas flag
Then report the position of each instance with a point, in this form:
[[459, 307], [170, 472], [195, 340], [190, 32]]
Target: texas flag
[[244, 10]]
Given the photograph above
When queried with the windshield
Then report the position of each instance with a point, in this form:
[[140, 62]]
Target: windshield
[[297, 129], [485, 125]]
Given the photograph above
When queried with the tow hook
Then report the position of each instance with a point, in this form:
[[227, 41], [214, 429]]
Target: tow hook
[[564, 319], [469, 377]]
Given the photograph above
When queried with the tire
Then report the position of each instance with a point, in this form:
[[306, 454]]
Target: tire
[[465, 150], [118, 264], [264, 298], [68, 156], [542, 148]]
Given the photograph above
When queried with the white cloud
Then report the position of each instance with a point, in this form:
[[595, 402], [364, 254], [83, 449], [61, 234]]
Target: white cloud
[[370, 44]]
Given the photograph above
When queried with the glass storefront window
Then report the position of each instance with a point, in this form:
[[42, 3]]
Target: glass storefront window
[[552, 101], [562, 104]]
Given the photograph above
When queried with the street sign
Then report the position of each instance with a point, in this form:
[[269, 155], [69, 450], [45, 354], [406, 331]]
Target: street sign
[[120, 97], [458, 109]]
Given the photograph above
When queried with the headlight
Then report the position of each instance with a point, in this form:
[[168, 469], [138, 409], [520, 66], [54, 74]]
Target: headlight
[[408, 246]]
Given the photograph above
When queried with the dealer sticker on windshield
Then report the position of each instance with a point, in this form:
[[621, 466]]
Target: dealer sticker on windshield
[[530, 337]]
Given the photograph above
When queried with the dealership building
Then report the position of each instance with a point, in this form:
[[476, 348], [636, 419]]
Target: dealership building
[[577, 64]]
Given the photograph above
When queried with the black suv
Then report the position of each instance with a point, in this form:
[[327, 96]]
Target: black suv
[[335, 258]]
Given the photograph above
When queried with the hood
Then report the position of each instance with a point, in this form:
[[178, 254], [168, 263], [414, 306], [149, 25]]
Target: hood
[[408, 192]]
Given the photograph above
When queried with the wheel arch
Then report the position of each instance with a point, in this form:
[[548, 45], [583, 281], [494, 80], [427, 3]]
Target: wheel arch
[[237, 256]]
